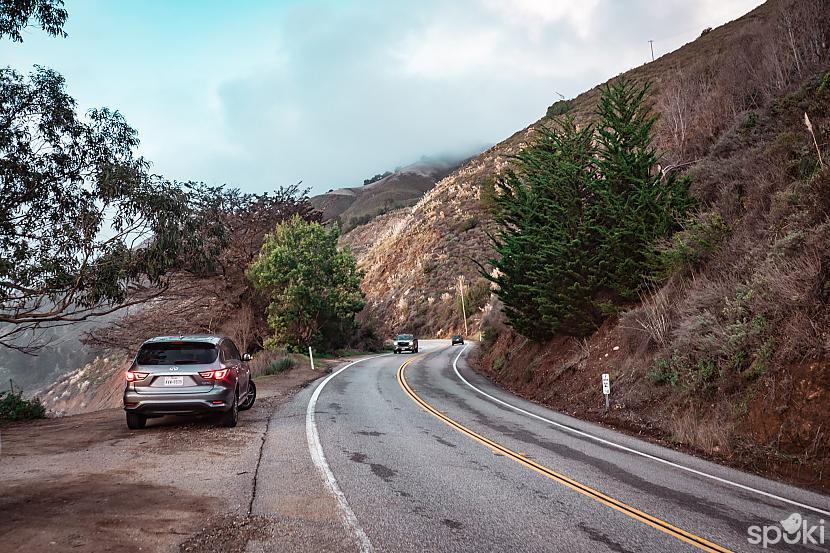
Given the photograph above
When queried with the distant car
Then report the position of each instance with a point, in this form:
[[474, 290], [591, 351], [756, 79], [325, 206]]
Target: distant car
[[406, 342], [187, 375], [457, 340]]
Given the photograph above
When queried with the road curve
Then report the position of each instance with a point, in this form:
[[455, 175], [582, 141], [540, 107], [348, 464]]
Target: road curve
[[427, 462]]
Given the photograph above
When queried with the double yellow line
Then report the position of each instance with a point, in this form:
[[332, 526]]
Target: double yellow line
[[587, 491]]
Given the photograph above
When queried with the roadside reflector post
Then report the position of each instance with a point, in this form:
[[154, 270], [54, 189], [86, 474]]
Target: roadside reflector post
[[311, 357], [606, 390]]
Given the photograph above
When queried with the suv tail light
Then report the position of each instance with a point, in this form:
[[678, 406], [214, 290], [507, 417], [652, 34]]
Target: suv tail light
[[214, 375], [134, 376]]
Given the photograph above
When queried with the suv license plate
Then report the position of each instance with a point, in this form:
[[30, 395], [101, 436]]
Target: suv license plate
[[173, 380]]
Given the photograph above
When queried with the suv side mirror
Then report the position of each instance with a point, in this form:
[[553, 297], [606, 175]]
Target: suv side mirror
[[246, 357]]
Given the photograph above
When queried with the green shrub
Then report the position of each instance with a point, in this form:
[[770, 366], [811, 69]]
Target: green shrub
[[749, 123], [759, 364], [468, 224], [562, 107], [280, 365], [699, 238], [737, 361], [825, 83], [707, 369], [14, 407], [663, 372]]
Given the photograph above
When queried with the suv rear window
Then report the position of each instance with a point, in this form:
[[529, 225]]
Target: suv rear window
[[177, 353]]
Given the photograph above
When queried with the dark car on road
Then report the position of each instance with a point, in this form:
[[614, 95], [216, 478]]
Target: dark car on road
[[406, 342], [188, 375], [457, 340]]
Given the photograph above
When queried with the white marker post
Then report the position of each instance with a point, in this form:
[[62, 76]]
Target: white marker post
[[311, 357], [606, 389]]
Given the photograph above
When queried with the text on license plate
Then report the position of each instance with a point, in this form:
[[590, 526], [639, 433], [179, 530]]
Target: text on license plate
[[173, 380]]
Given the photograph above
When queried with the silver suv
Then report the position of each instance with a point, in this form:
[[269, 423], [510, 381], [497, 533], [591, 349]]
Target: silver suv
[[405, 342], [187, 375]]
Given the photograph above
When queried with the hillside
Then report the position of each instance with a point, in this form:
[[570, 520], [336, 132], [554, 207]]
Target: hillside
[[449, 225], [357, 205], [729, 356]]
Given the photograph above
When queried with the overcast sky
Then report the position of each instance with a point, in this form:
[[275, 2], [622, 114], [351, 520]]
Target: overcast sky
[[261, 93]]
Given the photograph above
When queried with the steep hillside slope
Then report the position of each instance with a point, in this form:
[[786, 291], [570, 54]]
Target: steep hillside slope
[[413, 257], [357, 205], [729, 357], [699, 90]]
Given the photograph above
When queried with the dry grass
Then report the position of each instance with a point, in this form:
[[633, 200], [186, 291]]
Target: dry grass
[[266, 361], [711, 434], [652, 317]]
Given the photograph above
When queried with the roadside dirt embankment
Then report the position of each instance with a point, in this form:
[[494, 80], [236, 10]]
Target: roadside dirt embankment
[[777, 430]]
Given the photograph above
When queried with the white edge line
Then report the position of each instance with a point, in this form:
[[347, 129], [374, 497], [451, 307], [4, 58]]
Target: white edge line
[[634, 451], [315, 448]]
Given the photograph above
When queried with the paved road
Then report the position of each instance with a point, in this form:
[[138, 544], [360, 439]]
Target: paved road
[[487, 477]]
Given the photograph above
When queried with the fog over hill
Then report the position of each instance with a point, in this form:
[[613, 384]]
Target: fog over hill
[[402, 187]]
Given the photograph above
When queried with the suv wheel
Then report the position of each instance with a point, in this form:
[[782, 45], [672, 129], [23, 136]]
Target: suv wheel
[[136, 421], [231, 417], [250, 398]]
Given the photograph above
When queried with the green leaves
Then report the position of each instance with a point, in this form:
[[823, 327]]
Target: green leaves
[[580, 215], [15, 407], [83, 225], [15, 15], [314, 288]]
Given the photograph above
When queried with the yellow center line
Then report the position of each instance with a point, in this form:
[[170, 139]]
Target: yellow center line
[[587, 491]]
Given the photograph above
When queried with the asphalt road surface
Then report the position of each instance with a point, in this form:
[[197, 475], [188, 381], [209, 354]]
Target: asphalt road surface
[[432, 457]]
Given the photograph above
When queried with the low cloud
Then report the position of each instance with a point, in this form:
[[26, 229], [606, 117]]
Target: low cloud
[[331, 92]]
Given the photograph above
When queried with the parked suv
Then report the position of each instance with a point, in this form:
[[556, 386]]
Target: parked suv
[[186, 375], [406, 342]]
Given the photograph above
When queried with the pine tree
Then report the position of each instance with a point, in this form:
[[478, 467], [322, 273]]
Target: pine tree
[[580, 215], [545, 277], [638, 206]]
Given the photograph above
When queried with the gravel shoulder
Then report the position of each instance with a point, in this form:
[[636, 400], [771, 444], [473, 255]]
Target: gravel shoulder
[[87, 483]]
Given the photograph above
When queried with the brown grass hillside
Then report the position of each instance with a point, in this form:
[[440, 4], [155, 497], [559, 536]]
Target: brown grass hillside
[[729, 355], [358, 205]]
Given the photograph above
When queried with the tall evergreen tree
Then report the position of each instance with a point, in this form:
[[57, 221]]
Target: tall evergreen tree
[[638, 205], [579, 217], [544, 210]]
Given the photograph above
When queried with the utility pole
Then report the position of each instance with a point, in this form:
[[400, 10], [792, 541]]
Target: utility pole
[[651, 43], [463, 306]]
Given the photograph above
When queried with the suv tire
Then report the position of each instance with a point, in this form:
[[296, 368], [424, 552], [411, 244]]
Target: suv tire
[[250, 398], [136, 421], [231, 416]]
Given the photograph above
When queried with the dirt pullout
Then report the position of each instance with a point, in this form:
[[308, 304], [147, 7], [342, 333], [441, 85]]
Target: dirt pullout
[[87, 483]]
